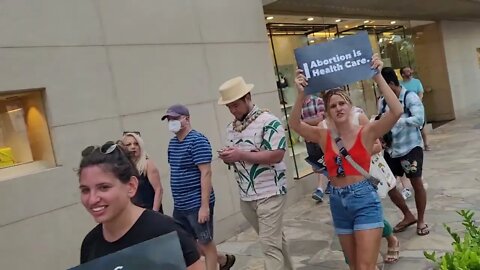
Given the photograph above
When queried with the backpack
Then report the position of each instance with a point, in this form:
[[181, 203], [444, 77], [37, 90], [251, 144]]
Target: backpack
[[388, 137], [405, 108]]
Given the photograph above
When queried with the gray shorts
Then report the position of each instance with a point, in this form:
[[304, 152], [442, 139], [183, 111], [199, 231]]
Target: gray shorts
[[189, 222]]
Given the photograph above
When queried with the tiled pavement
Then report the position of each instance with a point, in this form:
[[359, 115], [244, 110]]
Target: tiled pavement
[[452, 171]]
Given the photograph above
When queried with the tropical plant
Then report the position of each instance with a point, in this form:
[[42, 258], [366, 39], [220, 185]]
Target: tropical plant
[[466, 251]]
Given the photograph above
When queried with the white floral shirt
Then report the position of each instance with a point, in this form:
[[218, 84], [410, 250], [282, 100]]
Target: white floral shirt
[[259, 181]]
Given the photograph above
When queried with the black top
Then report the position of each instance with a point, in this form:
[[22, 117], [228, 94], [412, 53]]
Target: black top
[[145, 192], [149, 225]]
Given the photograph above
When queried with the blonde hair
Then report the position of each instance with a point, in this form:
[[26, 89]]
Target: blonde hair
[[338, 92], [141, 162], [327, 96]]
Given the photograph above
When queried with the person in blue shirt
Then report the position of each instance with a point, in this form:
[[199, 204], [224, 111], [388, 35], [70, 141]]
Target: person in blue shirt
[[190, 156], [404, 154], [415, 85], [410, 83]]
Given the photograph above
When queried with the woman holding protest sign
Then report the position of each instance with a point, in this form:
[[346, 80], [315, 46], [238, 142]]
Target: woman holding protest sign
[[393, 247], [356, 208], [108, 182]]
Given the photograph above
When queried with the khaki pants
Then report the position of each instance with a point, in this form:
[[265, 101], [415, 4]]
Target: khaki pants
[[266, 217]]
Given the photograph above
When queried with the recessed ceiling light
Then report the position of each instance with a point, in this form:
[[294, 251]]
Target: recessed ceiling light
[[366, 21], [393, 22], [310, 19], [346, 26], [270, 18], [338, 20]]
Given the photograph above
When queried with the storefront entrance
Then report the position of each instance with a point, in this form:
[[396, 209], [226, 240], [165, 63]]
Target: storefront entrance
[[394, 41]]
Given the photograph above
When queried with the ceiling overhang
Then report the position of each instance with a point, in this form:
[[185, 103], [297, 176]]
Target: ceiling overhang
[[436, 10]]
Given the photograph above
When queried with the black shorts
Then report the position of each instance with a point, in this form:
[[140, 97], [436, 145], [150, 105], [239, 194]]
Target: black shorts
[[410, 165], [314, 151], [315, 157]]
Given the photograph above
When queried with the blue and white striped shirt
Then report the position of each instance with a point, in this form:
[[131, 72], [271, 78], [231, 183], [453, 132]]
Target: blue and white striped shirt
[[406, 132], [184, 158]]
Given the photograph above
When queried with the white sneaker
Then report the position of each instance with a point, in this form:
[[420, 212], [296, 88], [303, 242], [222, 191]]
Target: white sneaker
[[406, 193]]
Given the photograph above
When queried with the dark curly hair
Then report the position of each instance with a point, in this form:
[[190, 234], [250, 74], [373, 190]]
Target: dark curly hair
[[111, 158]]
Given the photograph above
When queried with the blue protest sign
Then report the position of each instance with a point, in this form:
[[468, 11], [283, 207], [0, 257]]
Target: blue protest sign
[[336, 63]]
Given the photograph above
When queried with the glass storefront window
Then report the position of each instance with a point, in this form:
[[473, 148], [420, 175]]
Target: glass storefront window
[[24, 133], [390, 41], [397, 48], [285, 38]]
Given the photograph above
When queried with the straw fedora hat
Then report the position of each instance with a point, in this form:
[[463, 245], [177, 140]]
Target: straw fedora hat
[[233, 89]]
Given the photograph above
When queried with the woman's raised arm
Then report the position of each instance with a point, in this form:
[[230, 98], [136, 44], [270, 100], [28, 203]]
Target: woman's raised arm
[[310, 133]]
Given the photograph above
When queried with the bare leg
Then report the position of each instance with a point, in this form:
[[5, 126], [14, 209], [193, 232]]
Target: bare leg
[[320, 191], [367, 248], [221, 259], [322, 181], [347, 241], [210, 252], [420, 200], [398, 200], [425, 140]]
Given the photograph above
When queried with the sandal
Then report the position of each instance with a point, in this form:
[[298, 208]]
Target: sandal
[[400, 228], [393, 254], [229, 263], [423, 231]]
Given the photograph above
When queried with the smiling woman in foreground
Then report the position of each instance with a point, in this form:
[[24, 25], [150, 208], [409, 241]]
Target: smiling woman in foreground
[[356, 209], [108, 182]]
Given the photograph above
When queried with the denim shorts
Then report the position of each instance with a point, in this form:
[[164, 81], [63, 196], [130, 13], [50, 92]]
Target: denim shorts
[[188, 220], [355, 207]]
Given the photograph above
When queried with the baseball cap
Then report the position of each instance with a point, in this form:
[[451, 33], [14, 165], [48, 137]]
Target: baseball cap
[[176, 111]]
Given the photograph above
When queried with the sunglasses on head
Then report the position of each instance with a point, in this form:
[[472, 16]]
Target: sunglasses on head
[[134, 132], [106, 149]]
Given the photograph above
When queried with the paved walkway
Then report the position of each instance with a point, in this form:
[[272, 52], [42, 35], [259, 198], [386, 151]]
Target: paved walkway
[[452, 171]]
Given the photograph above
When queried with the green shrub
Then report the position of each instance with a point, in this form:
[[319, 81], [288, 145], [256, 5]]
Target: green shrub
[[466, 251]]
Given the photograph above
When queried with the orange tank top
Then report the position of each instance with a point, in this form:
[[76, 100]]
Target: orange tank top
[[358, 152]]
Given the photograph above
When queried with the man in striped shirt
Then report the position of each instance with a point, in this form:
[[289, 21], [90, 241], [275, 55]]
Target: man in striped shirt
[[190, 156]]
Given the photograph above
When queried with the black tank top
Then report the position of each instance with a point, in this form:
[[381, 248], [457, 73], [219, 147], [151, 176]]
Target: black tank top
[[145, 192]]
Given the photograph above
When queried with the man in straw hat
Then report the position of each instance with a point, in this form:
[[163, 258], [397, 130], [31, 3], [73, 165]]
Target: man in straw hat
[[255, 148]]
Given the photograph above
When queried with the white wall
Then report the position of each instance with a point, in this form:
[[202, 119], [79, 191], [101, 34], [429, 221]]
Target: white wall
[[461, 40], [110, 66]]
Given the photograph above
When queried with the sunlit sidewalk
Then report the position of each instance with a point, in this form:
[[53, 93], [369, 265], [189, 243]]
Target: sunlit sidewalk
[[452, 171]]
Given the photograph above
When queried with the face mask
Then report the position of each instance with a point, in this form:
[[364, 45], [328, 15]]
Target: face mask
[[174, 126]]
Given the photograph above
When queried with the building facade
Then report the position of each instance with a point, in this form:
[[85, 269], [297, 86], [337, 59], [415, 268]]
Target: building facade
[[80, 72]]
